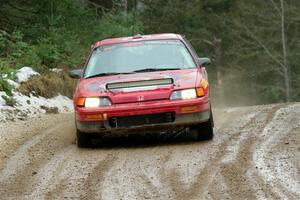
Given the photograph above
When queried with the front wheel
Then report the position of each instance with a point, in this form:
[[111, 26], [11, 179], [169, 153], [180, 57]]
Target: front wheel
[[205, 130], [84, 140]]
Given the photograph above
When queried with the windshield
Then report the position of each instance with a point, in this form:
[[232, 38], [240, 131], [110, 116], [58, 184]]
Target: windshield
[[139, 56]]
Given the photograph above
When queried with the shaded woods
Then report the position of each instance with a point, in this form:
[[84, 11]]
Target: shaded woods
[[254, 44]]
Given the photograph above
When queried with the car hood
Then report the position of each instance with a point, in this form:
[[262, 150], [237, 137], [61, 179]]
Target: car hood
[[140, 85]]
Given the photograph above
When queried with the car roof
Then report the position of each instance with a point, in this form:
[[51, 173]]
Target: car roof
[[138, 38]]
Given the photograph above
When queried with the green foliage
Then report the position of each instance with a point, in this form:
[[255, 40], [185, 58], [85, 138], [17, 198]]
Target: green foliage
[[47, 52], [18, 46], [118, 25], [5, 73], [3, 42], [4, 86], [44, 34], [31, 58], [15, 52], [47, 34]]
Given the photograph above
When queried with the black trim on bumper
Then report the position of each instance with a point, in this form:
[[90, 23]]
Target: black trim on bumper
[[180, 120]]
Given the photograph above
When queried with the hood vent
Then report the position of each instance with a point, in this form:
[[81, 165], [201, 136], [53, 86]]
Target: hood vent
[[135, 84]]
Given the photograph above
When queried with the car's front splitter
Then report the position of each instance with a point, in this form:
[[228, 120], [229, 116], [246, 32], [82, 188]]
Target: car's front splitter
[[180, 120]]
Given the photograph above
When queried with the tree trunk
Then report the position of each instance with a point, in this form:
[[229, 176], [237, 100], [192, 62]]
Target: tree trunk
[[217, 44], [284, 53], [125, 6]]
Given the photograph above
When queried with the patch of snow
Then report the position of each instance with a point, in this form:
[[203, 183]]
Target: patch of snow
[[2, 101], [25, 73], [13, 83], [31, 106], [57, 70], [25, 103], [4, 76]]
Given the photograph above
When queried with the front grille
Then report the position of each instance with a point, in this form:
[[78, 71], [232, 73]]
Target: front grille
[[139, 120]]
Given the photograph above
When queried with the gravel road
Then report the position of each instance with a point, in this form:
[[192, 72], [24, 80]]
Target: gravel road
[[255, 155]]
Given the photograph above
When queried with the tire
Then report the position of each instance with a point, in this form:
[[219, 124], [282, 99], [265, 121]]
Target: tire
[[84, 140], [205, 130]]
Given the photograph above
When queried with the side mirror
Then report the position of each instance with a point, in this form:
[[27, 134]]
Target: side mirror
[[203, 62], [76, 73]]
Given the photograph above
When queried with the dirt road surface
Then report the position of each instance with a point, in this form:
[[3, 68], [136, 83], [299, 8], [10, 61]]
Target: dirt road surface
[[255, 155]]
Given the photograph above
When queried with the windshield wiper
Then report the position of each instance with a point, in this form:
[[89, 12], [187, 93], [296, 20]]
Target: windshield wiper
[[108, 74], [136, 71], [155, 69]]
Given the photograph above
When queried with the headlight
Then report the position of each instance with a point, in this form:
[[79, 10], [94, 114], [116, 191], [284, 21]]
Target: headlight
[[93, 102], [183, 94]]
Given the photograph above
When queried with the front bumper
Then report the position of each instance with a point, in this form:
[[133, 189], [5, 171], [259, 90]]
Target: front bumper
[[180, 120], [178, 107], [185, 112]]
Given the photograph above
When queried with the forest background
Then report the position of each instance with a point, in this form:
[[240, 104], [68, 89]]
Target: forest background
[[254, 45]]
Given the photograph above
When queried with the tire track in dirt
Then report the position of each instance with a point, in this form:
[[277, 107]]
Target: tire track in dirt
[[284, 121], [235, 171], [25, 160], [68, 178], [14, 134], [154, 186], [185, 191], [253, 156], [208, 172], [179, 189], [206, 175], [97, 175], [50, 173], [21, 168], [283, 160], [127, 179], [158, 187], [263, 190]]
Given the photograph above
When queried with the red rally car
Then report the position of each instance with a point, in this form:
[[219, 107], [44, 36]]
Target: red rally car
[[142, 84]]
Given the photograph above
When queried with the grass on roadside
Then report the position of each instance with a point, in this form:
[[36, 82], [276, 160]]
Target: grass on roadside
[[49, 84]]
